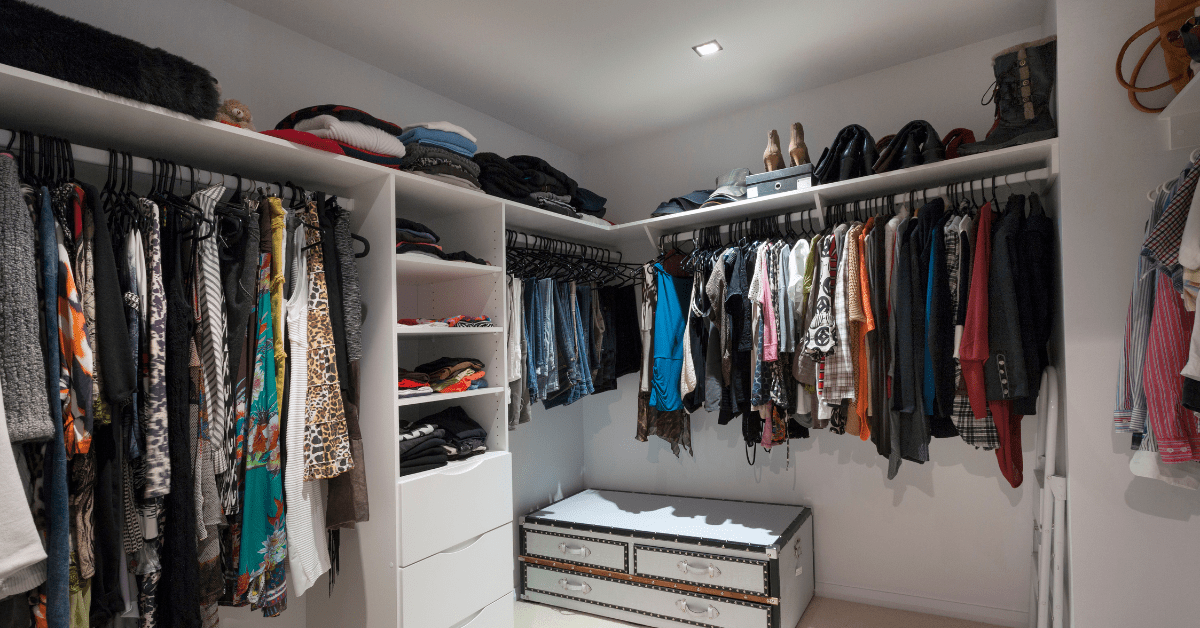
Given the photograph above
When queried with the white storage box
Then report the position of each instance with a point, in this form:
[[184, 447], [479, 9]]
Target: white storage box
[[659, 560]]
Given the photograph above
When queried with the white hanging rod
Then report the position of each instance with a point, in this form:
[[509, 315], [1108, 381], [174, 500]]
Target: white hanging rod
[[1028, 177], [205, 178]]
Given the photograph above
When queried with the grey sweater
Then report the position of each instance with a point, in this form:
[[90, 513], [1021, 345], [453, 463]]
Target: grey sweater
[[22, 381]]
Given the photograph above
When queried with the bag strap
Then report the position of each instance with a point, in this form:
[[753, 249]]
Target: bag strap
[[1130, 86]]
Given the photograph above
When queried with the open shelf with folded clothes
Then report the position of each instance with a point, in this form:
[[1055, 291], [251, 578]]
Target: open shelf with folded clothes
[[438, 358], [482, 406]]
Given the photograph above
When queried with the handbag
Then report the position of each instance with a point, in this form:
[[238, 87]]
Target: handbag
[[850, 156], [1169, 16]]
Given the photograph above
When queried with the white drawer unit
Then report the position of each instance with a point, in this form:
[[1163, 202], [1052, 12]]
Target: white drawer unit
[[659, 560], [445, 589], [444, 507]]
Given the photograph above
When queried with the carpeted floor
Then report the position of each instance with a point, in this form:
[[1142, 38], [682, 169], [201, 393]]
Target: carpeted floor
[[822, 613]]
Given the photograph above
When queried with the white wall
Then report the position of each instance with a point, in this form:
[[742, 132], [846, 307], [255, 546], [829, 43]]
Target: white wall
[[949, 536], [1135, 543], [943, 89], [276, 71]]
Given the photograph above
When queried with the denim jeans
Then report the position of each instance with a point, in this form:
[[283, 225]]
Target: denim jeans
[[531, 305], [564, 335], [547, 365], [583, 342], [58, 543]]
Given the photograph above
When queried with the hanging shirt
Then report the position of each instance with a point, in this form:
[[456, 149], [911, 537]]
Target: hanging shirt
[[668, 342]]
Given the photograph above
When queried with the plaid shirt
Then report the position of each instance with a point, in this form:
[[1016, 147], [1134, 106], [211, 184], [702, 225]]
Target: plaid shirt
[[839, 364], [1162, 245], [978, 432]]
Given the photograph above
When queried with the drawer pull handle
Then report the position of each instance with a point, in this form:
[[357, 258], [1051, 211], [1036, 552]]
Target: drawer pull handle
[[699, 570], [571, 550], [710, 612], [582, 587]]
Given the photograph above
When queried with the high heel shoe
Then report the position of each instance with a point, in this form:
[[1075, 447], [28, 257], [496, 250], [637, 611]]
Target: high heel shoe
[[796, 148], [773, 156]]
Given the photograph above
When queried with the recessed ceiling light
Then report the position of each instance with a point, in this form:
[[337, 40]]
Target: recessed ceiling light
[[707, 48]]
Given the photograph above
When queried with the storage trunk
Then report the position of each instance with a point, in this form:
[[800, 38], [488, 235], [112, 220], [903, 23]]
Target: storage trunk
[[664, 561]]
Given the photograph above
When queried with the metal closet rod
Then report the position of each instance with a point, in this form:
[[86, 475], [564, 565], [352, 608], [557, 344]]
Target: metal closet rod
[[513, 242], [142, 165], [1002, 180]]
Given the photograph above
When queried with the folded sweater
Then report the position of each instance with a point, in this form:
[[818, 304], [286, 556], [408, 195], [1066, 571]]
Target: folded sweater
[[341, 112], [354, 133], [441, 126], [444, 139]]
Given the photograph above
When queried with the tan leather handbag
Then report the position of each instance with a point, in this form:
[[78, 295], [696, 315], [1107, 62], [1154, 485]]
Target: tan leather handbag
[[1169, 15]]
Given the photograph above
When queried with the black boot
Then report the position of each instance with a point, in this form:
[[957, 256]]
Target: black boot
[[1024, 82]]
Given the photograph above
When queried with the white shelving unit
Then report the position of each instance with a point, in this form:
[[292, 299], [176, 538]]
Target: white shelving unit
[[447, 529]]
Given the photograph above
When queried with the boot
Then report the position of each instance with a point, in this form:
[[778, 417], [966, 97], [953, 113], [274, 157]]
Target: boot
[[1024, 81], [796, 148], [773, 156]]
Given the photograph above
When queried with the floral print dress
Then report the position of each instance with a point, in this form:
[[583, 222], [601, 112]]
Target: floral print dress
[[261, 575]]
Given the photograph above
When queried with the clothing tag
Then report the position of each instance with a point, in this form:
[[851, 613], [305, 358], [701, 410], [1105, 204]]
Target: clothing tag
[[752, 192], [799, 570]]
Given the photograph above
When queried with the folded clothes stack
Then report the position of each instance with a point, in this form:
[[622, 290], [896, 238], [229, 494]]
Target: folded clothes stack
[[412, 384], [447, 375], [464, 437], [414, 237], [344, 131], [422, 447], [453, 321], [533, 181], [441, 151]]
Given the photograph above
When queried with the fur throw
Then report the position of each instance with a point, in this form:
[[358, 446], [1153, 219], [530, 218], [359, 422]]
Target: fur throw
[[47, 43]]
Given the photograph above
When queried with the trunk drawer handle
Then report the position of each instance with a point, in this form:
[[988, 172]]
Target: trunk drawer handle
[[699, 570], [571, 550], [711, 612], [582, 587]]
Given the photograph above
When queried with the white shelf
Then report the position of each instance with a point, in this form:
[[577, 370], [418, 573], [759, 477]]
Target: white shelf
[[972, 167], [414, 401], [1183, 117], [34, 102], [534, 220], [416, 268], [413, 330]]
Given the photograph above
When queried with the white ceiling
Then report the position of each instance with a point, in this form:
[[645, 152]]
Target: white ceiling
[[587, 74]]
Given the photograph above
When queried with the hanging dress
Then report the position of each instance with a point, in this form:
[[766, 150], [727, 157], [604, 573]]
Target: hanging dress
[[308, 556], [264, 540]]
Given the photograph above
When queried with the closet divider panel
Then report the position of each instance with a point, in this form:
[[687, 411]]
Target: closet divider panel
[[365, 592]]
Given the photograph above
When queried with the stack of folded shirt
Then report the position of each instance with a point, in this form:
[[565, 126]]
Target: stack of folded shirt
[[345, 131], [464, 437], [441, 151], [412, 384], [498, 177], [422, 447], [414, 237], [448, 375], [409, 231], [453, 321], [533, 181]]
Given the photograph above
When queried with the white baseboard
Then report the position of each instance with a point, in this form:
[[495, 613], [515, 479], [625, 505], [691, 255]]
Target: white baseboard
[[960, 610]]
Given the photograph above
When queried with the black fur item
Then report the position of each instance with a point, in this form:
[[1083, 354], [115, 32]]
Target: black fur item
[[42, 41]]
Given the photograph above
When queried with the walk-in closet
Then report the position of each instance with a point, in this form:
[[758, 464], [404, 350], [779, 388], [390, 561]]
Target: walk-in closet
[[578, 314]]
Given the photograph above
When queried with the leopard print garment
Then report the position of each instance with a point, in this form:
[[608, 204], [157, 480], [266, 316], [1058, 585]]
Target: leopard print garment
[[326, 443]]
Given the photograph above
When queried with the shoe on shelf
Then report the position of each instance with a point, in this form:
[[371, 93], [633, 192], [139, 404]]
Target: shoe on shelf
[[797, 150], [773, 156], [1024, 82]]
